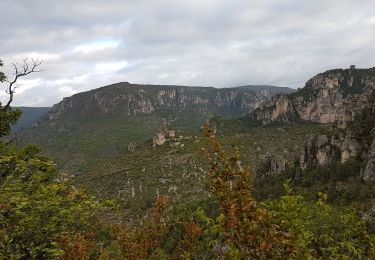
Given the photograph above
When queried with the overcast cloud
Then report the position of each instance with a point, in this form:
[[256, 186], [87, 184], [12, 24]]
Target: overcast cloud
[[86, 44]]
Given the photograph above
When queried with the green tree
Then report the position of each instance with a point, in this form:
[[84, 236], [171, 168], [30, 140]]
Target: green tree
[[37, 213], [325, 231]]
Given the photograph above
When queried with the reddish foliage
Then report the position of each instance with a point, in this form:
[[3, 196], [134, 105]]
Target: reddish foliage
[[139, 242], [247, 226], [77, 247]]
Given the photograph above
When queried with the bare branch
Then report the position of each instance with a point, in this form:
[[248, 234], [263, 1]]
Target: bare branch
[[28, 67]]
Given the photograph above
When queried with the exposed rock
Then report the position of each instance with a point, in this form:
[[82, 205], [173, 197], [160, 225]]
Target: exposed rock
[[350, 148], [278, 109], [273, 165], [343, 97], [172, 188], [318, 151], [132, 146], [159, 138], [172, 134], [335, 96], [356, 142], [163, 134], [369, 171]]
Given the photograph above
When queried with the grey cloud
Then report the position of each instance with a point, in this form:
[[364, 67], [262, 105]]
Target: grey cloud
[[206, 43]]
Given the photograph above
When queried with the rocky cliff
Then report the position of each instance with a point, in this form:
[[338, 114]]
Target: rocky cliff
[[343, 98], [334, 96], [356, 142], [132, 99]]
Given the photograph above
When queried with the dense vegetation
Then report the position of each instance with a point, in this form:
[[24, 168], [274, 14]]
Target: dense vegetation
[[44, 218]]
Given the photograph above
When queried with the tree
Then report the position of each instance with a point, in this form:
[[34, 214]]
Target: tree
[[40, 218], [9, 116], [325, 231], [248, 228]]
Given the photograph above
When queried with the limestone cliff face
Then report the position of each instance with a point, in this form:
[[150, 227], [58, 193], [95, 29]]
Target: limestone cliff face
[[322, 150], [279, 109], [131, 100], [356, 141], [335, 96], [343, 98]]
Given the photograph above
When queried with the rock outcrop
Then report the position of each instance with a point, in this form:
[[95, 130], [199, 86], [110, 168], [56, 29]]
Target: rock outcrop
[[369, 171], [159, 138], [163, 134], [272, 165], [132, 146], [335, 96], [321, 150]]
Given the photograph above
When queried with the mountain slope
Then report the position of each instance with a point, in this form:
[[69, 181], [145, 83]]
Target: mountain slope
[[178, 167], [103, 122]]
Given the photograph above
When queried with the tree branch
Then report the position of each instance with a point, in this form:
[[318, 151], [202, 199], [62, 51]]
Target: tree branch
[[29, 66]]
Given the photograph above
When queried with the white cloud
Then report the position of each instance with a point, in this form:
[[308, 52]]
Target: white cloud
[[371, 21], [76, 80], [98, 45], [67, 89], [109, 67]]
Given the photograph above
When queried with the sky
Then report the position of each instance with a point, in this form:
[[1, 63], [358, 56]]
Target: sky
[[86, 44]]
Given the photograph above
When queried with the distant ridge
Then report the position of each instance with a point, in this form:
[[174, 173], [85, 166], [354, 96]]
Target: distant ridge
[[29, 116], [132, 99], [284, 90]]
